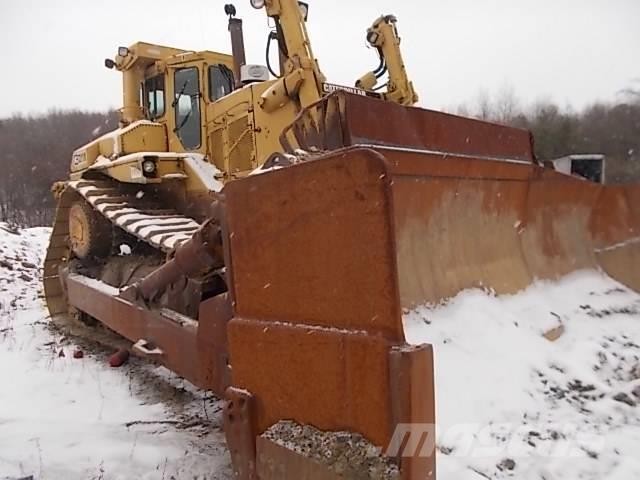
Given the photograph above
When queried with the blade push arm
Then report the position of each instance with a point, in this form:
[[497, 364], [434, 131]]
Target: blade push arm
[[383, 35]]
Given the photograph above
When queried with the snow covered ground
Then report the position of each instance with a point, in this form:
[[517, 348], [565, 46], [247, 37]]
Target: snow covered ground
[[72, 418], [510, 403]]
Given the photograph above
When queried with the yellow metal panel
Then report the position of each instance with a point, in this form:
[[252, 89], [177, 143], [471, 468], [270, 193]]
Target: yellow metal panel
[[108, 146], [144, 137]]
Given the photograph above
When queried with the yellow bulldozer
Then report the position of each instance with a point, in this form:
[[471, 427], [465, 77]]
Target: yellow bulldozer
[[260, 233]]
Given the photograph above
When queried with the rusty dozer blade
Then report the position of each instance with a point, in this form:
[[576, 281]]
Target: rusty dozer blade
[[321, 272]]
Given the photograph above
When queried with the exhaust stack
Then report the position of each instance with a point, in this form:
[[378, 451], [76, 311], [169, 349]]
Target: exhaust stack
[[237, 43]]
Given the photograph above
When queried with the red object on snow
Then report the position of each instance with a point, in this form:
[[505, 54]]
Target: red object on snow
[[119, 358], [78, 354]]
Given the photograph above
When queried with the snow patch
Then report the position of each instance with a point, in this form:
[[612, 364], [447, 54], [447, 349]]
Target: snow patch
[[206, 172], [76, 418], [563, 409]]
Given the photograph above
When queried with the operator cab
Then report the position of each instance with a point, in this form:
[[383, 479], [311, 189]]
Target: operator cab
[[194, 85], [185, 89], [219, 80]]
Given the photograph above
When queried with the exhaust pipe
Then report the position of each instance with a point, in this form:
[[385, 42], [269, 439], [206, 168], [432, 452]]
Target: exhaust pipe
[[237, 43]]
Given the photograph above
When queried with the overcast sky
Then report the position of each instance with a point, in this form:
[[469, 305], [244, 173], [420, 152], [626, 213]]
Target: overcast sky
[[569, 51]]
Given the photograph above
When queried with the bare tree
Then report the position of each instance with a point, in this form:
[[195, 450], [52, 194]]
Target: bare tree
[[612, 129], [506, 106], [483, 108]]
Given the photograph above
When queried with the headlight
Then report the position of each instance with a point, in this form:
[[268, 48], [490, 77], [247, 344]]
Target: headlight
[[149, 166], [257, 3], [123, 51]]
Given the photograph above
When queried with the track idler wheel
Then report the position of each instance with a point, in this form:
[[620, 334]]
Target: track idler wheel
[[90, 234]]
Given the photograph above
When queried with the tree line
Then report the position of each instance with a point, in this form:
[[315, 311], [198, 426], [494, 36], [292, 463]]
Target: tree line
[[35, 151], [609, 128]]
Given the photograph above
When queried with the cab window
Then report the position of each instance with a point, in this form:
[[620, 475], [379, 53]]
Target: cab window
[[220, 81], [154, 96], [186, 104]]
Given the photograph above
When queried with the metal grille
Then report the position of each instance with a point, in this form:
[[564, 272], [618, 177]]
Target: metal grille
[[241, 145]]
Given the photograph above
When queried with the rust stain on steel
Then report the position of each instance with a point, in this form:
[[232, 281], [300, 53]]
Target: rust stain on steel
[[313, 244], [183, 353], [493, 224], [556, 238], [413, 401], [329, 378], [456, 229], [470, 222], [346, 119], [212, 343], [616, 216], [200, 254], [431, 130], [240, 429], [615, 227]]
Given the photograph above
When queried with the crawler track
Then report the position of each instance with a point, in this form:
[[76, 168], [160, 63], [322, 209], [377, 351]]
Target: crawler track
[[163, 229]]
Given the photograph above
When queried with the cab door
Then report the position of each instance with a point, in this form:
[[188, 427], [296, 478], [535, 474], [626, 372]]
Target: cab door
[[185, 108]]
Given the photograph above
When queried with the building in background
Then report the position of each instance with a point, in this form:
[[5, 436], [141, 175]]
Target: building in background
[[587, 165]]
